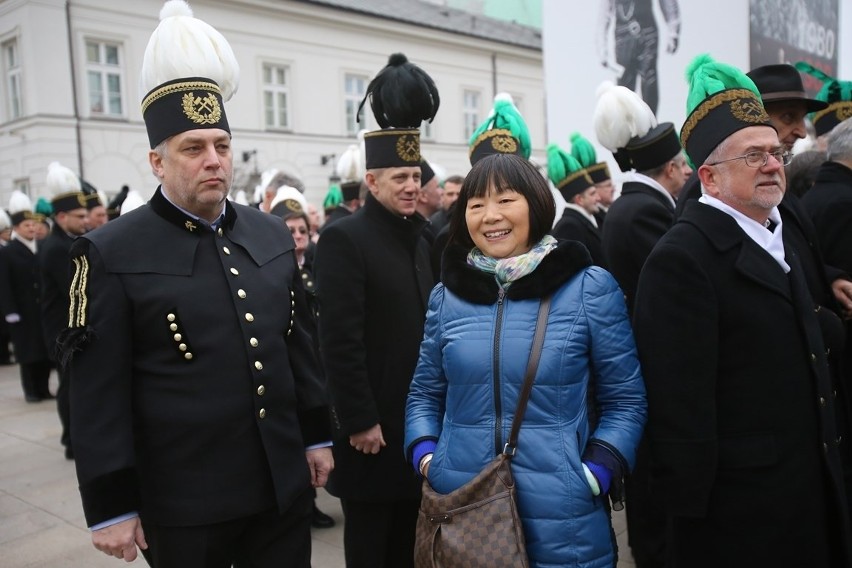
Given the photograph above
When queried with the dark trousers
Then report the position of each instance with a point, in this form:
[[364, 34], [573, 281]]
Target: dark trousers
[[35, 377], [647, 526], [265, 540], [63, 404], [379, 535], [636, 51]]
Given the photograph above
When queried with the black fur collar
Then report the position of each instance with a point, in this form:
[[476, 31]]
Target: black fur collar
[[479, 287]]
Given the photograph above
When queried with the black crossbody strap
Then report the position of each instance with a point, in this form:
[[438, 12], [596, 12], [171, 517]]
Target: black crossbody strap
[[529, 377]]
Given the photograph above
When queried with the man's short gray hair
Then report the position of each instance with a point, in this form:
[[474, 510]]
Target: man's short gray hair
[[840, 142]]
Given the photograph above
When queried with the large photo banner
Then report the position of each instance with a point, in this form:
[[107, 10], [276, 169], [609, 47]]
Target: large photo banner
[[647, 45], [787, 31]]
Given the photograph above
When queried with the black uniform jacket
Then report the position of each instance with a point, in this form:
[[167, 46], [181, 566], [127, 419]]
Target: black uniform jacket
[[634, 223], [741, 421], [55, 282], [373, 278], [19, 294], [196, 383], [575, 227]]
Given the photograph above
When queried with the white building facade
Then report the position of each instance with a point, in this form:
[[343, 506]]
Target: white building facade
[[70, 73]]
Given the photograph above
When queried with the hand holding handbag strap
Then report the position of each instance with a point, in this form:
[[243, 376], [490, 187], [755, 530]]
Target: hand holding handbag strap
[[529, 377]]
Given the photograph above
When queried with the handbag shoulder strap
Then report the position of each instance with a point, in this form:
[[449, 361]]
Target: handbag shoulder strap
[[529, 377]]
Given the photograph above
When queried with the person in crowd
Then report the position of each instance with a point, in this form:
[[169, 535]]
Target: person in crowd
[[578, 220], [651, 155], [19, 299], [572, 452], [373, 278], [315, 222], [200, 440], [97, 213], [114, 206], [6, 357], [299, 226], [741, 409], [70, 218], [449, 194], [802, 171], [584, 152], [428, 199]]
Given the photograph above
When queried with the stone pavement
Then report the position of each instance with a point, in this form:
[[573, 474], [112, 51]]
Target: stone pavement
[[41, 520]]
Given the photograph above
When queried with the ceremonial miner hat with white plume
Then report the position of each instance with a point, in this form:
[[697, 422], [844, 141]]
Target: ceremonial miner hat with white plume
[[626, 126], [65, 188], [21, 208], [350, 169], [721, 100], [835, 93], [584, 152], [503, 131], [402, 96], [188, 72]]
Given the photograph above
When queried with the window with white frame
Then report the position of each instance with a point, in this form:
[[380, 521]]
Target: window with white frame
[[354, 88], [22, 185], [276, 95], [12, 72], [104, 77], [470, 109]]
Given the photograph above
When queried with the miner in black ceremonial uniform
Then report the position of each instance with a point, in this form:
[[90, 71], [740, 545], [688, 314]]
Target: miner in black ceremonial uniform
[[373, 280], [19, 298], [199, 416], [70, 220]]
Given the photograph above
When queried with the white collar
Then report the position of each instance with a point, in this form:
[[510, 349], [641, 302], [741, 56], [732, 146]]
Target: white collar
[[651, 182], [583, 212]]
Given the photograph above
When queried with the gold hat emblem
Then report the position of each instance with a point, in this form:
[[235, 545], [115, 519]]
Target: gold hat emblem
[[408, 148], [200, 110], [843, 112], [504, 144], [749, 110]]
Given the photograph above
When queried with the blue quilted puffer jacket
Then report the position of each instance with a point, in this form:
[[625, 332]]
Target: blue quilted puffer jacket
[[468, 377]]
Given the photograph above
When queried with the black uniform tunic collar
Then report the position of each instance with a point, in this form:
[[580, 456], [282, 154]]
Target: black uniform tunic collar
[[171, 213]]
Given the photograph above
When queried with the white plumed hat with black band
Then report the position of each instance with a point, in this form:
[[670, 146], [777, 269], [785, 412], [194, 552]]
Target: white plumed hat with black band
[[189, 71]]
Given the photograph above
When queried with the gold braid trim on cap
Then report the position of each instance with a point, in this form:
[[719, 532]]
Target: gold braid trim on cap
[[77, 293], [502, 141], [571, 177], [842, 109], [596, 167], [176, 88], [714, 101]]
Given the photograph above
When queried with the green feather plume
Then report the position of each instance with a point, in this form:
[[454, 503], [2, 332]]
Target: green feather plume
[[43, 207], [707, 76], [583, 150], [833, 90], [506, 115], [560, 164], [333, 198]]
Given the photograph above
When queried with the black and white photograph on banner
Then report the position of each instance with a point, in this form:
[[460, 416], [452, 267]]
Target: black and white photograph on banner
[[788, 31]]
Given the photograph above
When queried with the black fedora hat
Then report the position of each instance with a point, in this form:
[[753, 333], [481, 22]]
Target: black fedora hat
[[782, 82]]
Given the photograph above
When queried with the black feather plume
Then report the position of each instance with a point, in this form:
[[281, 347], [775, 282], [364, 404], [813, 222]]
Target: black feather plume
[[402, 95]]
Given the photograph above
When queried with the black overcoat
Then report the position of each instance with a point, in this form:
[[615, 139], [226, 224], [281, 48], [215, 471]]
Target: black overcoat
[[55, 282], [740, 402], [20, 294], [574, 226], [634, 223], [373, 279], [196, 386]]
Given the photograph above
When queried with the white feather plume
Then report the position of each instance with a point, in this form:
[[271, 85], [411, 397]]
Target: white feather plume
[[5, 221], [19, 201], [133, 201], [184, 46], [620, 114], [61, 180], [351, 165]]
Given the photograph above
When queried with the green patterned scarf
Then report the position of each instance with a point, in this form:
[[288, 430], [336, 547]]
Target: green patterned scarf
[[507, 270]]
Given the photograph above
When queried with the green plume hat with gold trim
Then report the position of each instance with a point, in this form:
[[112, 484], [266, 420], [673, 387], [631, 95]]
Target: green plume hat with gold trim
[[721, 101], [566, 173], [836, 93]]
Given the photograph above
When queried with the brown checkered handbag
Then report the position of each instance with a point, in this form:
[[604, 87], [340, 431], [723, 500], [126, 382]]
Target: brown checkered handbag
[[478, 525]]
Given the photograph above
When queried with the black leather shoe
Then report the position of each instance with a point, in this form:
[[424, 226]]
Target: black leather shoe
[[320, 520], [69, 453], [32, 398]]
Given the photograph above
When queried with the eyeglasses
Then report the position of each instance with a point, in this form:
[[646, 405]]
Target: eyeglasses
[[758, 158], [300, 230]]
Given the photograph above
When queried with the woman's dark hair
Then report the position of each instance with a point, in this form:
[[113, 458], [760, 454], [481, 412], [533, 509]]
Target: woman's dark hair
[[504, 172]]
